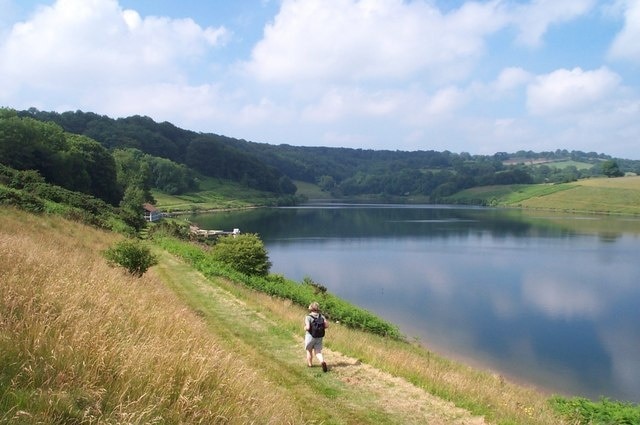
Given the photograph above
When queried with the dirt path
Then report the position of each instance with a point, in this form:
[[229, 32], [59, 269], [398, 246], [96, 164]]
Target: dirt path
[[356, 392], [397, 396]]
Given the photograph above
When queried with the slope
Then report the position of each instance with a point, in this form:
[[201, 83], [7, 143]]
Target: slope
[[352, 392], [81, 342]]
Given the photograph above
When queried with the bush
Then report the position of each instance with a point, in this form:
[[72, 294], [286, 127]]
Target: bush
[[21, 200], [132, 255], [244, 253], [583, 411]]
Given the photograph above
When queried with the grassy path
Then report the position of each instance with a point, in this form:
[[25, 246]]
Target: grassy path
[[249, 325]]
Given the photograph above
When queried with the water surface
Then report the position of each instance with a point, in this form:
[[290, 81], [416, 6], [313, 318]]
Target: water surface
[[545, 299]]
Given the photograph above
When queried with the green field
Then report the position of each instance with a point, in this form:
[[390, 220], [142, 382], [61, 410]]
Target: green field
[[599, 195], [214, 194]]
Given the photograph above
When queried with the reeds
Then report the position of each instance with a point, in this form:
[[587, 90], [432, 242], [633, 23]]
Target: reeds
[[81, 342]]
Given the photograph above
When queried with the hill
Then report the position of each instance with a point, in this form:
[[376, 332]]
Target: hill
[[342, 172], [83, 342], [598, 195]]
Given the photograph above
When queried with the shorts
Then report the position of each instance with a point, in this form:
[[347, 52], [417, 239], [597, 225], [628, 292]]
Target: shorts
[[311, 343]]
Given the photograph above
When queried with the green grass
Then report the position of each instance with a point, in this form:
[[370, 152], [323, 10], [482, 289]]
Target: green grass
[[278, 286], [550, 163], [311, 191], [569, 163], [601, 195], [604, 412], [214, 194]]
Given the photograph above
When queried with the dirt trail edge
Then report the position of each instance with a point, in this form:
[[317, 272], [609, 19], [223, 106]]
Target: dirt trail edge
[[355, 392]]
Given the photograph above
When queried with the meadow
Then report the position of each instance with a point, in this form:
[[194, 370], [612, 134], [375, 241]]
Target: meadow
[[82, 342], [598, 195]]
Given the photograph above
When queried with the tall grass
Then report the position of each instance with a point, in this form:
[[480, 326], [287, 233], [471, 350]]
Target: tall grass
[[81, 342], [482, 393]]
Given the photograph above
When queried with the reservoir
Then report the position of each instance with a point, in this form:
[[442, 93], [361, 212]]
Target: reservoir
[[545, 299]]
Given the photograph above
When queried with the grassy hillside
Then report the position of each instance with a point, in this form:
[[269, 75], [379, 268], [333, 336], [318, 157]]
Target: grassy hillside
[[81, 342], [214, 194], [599, 195]]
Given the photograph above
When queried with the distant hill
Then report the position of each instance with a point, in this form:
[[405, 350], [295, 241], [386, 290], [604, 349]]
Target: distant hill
[[341, 172]]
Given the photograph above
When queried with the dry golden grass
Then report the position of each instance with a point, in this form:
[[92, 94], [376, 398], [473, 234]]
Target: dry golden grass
[[81, 342], [628, 182]]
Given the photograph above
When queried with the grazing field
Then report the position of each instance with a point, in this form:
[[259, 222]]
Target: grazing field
[[599, 195], [603, 195]]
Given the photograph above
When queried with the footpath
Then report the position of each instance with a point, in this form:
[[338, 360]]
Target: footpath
[[350, 393]]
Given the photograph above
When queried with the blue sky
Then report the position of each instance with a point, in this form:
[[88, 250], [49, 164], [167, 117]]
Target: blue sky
[[464, 76]]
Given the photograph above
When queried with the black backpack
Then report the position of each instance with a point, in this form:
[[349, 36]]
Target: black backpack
[[316, 328]]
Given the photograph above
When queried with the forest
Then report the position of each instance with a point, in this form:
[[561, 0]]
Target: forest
[[113, 159]]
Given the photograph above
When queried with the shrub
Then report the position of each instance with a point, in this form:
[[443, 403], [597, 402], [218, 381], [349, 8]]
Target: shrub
[[318, 288], [21, 200], [132, 255], [583, 411], [244, 253]]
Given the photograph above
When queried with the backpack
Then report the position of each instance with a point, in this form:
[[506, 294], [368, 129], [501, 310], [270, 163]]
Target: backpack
[[316, 327]]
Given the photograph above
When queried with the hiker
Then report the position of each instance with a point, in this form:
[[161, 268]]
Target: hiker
[[314, 325]]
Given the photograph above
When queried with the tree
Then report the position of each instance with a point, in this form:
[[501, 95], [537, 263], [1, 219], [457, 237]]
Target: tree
[[326, 183], [132, 169], [610, 169], [99, 167], [245, 253], [131, 208]]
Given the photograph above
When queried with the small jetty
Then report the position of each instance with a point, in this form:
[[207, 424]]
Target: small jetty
[[195, 230]]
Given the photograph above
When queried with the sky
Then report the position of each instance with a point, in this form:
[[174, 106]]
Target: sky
[[464, 76]]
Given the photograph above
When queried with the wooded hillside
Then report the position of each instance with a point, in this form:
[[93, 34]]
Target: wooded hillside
[[343, 172]]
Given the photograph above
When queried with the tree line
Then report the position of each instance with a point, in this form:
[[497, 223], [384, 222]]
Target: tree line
[[209, 154], [166, 157]]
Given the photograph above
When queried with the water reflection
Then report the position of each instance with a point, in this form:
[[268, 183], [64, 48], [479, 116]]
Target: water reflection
[[540, 298]]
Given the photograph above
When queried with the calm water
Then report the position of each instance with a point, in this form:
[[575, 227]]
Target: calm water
[[548, 300]]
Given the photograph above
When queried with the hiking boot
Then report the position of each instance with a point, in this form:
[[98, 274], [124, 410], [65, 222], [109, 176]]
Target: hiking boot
[[324, 367]]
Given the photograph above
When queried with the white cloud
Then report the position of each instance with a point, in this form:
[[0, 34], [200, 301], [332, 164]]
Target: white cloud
[[627, 43], [534, 19], [562, 299], [510, 79], [76, 50], [371, 39], [340, 103], [445, 101], [263, 112], [567, 91], [164, 101]]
